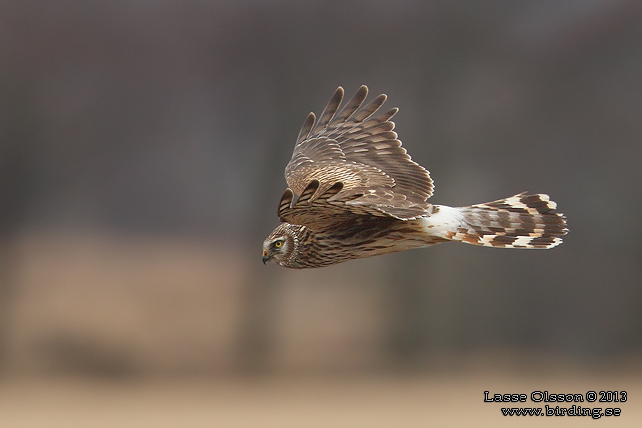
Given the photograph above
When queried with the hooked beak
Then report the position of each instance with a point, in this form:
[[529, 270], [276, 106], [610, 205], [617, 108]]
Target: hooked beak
[[265, 257]]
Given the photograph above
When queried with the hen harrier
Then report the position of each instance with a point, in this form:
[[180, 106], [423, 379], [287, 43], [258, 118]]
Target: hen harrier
[[354, 192]]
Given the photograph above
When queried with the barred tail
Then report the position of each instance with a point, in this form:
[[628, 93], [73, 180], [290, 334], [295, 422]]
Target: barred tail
[[521, 221]]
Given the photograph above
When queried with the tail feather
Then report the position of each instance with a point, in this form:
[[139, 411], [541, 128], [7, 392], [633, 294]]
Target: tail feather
[[521, 221]]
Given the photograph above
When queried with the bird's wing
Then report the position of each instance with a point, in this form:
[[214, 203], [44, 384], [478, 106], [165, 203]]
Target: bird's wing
[[325, 212], [361, 151]]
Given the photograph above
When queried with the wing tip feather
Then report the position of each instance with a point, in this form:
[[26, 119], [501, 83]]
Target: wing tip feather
[[304, 133]]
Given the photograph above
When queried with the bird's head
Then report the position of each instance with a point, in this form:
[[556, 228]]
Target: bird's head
[[279, 246]]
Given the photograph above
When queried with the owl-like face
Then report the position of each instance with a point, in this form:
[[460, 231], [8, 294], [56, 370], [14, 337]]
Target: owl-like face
[[278, 246]]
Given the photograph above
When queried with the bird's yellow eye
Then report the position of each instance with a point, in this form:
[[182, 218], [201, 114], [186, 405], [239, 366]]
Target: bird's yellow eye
[[278, 244]]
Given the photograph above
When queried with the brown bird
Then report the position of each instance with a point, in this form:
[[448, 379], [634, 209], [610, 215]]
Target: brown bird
[[354, 192]]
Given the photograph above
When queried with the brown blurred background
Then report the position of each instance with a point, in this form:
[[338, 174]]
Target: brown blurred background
[[142, 149]]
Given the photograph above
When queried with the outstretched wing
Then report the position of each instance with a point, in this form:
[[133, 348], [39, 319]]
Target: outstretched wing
[[361, 151]]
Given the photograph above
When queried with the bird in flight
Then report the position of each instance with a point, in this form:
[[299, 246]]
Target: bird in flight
[[354, 192]]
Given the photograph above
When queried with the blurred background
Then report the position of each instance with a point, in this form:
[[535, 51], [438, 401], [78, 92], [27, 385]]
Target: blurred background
[[142, 149]]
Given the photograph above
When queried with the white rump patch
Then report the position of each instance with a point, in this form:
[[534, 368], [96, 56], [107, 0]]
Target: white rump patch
[[447, 219]]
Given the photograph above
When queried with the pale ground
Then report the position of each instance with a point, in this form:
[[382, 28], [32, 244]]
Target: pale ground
[[143, 307], [300, 402]]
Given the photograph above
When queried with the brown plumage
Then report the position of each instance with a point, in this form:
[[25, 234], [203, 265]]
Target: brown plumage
[[354, 192]]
